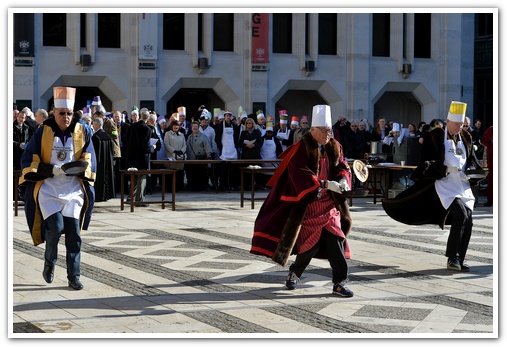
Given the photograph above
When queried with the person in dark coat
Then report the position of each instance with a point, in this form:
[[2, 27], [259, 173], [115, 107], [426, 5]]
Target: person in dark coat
[[140, 149], [304, 212], [250, 141], [355, 142], [152, 123], [103, 146], [21, 135], [442, 193]]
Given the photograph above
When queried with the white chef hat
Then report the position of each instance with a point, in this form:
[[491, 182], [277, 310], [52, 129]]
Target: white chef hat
[[321, 116]]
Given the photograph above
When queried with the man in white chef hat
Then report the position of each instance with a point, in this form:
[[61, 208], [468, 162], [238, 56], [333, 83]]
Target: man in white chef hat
[[305, 212]]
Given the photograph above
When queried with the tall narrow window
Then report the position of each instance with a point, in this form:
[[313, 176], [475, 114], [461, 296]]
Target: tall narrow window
[[174, 31], [223, 32], [381, 34], [483, 24], [405, 47], [422, 35], [54, 29], [328, 33], [307, 33], [109, 30], [82, 30], [199, 32], [282, 33]]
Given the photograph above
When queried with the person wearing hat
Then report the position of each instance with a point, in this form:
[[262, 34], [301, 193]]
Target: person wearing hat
[[271, 149], [206, 128], [442, 193], [389, 140], [294, 123], [283, 132], [261, 122], [305, 212], [185, 125], [57, 203], [227, 138]]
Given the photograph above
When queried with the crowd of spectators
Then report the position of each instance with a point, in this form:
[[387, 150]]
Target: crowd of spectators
[[218, 134]]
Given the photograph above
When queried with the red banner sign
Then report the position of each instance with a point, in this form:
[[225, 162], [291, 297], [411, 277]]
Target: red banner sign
[[260, 38]]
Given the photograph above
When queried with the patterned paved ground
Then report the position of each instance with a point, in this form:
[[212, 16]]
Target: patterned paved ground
[[188, 272]]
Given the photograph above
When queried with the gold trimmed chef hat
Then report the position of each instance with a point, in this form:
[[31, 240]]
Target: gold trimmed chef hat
[[64, 97], [457, 111]]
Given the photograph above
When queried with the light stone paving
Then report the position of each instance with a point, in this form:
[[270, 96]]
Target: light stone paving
[[188, 273]]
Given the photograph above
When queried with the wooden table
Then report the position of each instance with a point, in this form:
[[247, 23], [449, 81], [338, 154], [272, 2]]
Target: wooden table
[[252, 171], [132, 175], [167, 163], [386, 169], [258, 162], [227, 163]]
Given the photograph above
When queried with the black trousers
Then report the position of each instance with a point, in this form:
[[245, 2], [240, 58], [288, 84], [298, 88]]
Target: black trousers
[[334, 246], [461, 230]]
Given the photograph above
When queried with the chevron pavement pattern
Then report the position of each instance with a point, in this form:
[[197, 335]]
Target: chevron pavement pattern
[[189, 273]]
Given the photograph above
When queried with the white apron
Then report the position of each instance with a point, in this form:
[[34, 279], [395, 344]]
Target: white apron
[[455, 185], [283, 135], [268, 151], [228, 149], [61, 193]]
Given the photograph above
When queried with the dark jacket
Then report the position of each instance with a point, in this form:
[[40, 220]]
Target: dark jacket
[[22, 133], [139, 148], [104, 179], [250, 153], [420, 204]]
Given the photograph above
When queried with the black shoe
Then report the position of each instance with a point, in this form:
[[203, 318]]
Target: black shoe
[[464, 267], [453, 264], [48, 272], [292, 281], [340, 290], [75, 284]]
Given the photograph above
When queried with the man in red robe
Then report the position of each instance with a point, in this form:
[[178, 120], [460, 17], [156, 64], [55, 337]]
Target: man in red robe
[[304, 213]]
